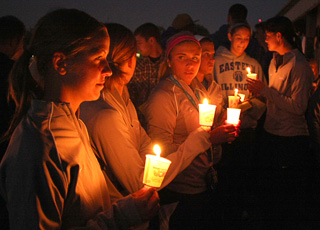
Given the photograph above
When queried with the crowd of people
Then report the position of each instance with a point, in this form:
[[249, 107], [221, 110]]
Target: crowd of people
[[80, 110]]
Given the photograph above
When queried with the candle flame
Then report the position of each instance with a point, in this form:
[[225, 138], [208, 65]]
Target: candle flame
[[157, 150], [235, 92], [249, 70], [205, 101]]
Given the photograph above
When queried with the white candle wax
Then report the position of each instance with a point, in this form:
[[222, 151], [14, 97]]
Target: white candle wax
[[251, 75], [233, 101], [155, 170], [233, 116], [242, 96], [206, 113]]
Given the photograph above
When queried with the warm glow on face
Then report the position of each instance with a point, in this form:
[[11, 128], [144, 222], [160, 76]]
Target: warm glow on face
[[157, 150], [205, 101], [248, 70]]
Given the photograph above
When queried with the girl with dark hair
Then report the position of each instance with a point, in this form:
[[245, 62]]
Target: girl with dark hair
[[50, 178], [283, 154]]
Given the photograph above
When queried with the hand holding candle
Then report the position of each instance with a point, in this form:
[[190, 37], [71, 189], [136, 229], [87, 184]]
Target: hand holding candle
[[155, 168], [206, 113]]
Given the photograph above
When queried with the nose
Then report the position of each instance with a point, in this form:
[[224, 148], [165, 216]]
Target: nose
[[189, 62], [106, 70]]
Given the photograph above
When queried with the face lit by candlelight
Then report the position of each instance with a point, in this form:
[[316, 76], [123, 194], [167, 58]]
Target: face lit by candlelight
[[144, 46], [184, 60], [207, 58], [239, 41], [87, 72], [272, 40]]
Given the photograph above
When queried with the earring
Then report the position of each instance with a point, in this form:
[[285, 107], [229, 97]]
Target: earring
[[62, 70]]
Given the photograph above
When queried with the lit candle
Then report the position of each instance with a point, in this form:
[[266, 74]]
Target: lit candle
[[251, 75], [233, 116], [242, 96], [233, 101], [155, 168], [235, 92], [206, 113]]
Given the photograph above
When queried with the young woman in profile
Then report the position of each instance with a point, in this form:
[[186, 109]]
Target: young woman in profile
[[283, 157], [50, 178]]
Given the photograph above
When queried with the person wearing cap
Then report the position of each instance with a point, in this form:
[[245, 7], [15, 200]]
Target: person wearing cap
[[145, 76], [172, 115], [182, 22], [230, 72]]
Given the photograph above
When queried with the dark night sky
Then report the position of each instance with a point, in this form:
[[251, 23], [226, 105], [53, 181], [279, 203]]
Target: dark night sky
[[210, 13]]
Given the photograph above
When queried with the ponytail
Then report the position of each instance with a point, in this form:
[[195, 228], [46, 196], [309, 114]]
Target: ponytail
[[22, 89]]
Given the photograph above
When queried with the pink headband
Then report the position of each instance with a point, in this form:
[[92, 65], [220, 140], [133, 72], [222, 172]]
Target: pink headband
[[172, 42]]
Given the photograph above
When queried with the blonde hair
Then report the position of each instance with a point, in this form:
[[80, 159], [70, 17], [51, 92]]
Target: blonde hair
[[122, 47]]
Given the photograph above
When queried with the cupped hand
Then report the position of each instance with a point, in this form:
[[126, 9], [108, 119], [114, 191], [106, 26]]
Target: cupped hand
[[147, 202], [222, 134], [255, 86]]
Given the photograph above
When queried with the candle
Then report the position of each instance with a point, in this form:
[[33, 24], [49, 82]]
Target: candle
[[233, 101], [155, 168], [251, 75], [233, 116], [206, 113], [242, 96]]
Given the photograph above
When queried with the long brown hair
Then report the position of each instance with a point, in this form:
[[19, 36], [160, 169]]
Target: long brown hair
[[69, 31]]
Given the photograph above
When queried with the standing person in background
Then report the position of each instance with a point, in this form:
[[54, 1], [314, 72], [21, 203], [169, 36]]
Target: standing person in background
[[145, 76], [235, 167], [283, 156], [49, 176], [12, 32], [237, 13], [172, 115], [182, 22]]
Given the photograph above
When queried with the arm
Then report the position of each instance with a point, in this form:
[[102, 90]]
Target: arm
[[300, 85], [313, 118], [117, 148], [161, 114]]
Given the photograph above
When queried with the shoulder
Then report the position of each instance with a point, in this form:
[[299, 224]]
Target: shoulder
[[251, 60], [162, 93]]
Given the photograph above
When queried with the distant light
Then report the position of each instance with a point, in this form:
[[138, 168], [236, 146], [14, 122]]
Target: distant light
[[138, 55], [260, 20]]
